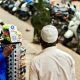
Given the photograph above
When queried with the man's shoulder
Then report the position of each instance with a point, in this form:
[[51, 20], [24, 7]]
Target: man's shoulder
[[54, 52], [39, 57], [67, 56]]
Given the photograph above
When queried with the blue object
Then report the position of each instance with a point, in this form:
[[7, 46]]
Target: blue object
[[2, 66], [29, 1], [22, 12]]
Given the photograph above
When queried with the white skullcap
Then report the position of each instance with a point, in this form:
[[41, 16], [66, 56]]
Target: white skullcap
[[49, 34]]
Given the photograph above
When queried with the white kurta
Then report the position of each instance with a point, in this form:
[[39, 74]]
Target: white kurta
[[52, 64]]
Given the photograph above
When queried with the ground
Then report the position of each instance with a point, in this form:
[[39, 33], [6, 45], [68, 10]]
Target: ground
[[28, 37]]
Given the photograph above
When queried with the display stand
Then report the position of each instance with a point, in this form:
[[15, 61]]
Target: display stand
[[13, 64], [15, 69]]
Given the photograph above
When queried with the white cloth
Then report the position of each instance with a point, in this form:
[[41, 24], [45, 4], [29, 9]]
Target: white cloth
[[17, 3], [73, 25], [49, 34], [68, 34], [24, 7], [52, 64], [14, 9]]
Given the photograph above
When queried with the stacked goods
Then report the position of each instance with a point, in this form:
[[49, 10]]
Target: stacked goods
[[13, 64], [22, 66]]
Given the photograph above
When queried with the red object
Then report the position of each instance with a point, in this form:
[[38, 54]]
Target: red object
[[75, 0]]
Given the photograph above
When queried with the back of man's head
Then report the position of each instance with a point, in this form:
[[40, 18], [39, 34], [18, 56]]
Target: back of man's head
[[49, 34]]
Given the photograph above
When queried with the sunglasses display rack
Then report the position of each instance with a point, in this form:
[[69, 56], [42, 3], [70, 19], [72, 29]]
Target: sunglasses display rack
[[13, 64]]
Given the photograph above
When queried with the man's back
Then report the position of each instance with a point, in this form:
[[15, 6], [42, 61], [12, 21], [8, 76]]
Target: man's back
[[52, 64]]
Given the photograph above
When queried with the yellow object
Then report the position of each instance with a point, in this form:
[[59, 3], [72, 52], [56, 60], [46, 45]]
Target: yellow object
[[6, 26], [19, 35]]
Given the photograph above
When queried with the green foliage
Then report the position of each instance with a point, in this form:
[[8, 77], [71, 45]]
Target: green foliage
[[42, 17]]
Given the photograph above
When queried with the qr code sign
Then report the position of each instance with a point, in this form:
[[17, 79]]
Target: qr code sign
[[14, 38]]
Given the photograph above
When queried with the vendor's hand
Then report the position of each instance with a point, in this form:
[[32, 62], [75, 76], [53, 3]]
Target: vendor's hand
[[8, 50]]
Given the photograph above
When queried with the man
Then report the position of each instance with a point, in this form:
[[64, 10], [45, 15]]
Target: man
[[3, 54], [51, 63]]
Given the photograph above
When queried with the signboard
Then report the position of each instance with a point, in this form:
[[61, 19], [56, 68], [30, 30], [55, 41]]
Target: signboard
[[13, 34]]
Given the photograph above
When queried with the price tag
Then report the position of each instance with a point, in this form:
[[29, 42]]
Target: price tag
[[13, 35]]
